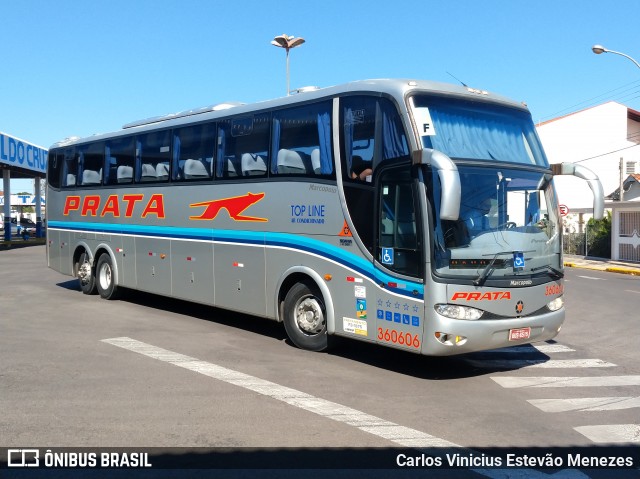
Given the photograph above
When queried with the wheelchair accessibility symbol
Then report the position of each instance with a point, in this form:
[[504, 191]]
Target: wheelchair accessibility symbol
[[518, 260], [387, 255]]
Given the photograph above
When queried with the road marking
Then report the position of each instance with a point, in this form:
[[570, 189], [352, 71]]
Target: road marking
[[540, 363], [632, 291], [563, 382], [612, 433], [592, 277], [388, 430], [396, 433], [552, 348], [533, 348], [586, 404]]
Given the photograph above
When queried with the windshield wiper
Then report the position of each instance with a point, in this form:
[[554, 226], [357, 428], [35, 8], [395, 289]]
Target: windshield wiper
[[479, 281], [553, 272]]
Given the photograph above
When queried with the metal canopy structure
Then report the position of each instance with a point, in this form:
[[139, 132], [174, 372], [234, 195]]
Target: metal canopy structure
[[21, 159]]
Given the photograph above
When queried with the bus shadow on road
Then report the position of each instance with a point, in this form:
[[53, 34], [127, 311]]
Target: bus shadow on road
[[245, 322], [71, 285], [435, 368], [439, 368]]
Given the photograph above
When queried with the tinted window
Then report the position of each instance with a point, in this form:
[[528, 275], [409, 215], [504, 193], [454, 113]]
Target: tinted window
[[154, 154], [90, 164], [372, 132], [120, 161], [54, 166], [70, 167], [397, 232], [302, 141], [193, 152], [243, 147]]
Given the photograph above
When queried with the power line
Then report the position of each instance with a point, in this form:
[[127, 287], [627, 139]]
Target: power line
[[605, 154], [592, 101]]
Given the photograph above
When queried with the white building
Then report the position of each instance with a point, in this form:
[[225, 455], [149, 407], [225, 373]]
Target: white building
[[600, 138]]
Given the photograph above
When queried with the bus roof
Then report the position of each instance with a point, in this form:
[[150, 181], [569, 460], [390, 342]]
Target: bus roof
[[397, 88]]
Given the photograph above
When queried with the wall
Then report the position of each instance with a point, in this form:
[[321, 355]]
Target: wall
[[602, 130], [625, 231]]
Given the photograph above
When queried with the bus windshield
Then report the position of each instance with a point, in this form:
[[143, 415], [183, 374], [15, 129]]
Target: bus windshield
[[477, 130], [508, 217]]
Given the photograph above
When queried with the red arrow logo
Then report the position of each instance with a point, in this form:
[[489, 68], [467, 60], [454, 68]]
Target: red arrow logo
[[234, 206]]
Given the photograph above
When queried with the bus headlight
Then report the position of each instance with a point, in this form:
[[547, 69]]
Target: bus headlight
[[556, 304], [455, 311]]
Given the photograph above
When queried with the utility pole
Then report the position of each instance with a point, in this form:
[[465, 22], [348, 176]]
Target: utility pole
[[621, 178]]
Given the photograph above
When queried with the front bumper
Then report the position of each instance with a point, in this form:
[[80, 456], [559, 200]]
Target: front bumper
[[487, 334]]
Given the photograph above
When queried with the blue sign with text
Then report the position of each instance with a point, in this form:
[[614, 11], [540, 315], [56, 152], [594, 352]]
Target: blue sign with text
[[16, 152]]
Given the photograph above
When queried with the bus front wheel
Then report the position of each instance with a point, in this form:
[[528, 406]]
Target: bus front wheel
[[105, 278], [84, 273], [305, 318]]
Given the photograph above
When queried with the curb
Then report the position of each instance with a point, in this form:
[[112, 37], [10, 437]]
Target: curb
[[609, 269], [5, 245], [614, 269]]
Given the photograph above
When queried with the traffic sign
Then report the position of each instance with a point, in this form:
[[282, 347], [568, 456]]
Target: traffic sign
[[564, 210]]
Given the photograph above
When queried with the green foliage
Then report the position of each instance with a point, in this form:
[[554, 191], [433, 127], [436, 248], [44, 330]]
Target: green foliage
[[599, 237]]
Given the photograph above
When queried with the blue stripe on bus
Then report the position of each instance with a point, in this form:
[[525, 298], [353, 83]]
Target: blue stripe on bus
[[284, 240]]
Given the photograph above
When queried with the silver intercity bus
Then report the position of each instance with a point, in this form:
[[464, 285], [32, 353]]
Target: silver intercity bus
[[412, 214]]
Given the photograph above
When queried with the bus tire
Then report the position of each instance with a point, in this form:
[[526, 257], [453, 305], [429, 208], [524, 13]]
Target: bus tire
[[105, 278], [85, 274], [305, 318]]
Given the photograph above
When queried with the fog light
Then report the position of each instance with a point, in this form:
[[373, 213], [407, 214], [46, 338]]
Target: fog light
[[556, 304], [450, 339], [455, 311]]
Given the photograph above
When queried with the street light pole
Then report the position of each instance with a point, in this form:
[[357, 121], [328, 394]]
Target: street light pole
[[287, 42], [598, 49]]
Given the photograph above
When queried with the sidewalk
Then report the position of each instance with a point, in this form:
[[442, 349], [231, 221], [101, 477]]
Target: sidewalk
[[601, 264], [20, 243]]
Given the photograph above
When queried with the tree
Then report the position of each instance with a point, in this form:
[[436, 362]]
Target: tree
[[599, 237]]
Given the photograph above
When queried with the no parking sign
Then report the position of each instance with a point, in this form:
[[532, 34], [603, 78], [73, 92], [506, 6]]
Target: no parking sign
[[564, 210]]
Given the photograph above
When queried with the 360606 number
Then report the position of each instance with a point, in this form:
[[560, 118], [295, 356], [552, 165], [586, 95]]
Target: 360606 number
[[398, 337]]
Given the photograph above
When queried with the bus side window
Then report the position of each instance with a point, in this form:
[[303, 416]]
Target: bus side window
[[91, 163], [302, 141], [54, 168], [120, 160], [372, 132], [153, 155], [70, 167], [193, 152], [358, 122], [243, 147]]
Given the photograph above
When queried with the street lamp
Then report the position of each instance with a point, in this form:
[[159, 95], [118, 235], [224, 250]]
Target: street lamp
[[287, 42], [598, 49]]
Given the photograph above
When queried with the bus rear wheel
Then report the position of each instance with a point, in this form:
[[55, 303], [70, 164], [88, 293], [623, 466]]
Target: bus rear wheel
[[84, 273], [305, 318], [105, 278]]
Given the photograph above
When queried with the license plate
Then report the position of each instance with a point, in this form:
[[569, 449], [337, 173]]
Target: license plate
[[520, 333]]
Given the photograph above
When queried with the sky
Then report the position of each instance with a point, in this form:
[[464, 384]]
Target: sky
[[76, 68]]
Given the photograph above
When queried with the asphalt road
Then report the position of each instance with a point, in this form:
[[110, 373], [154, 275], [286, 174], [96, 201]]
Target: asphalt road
[[193, 376]]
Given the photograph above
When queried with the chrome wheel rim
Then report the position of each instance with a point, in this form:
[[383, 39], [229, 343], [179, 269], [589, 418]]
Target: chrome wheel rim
[[309, 316], [105, 276], [84, 273]]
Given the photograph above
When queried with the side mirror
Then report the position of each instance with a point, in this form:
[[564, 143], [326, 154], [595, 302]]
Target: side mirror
[[449, 180], [592, 180]]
